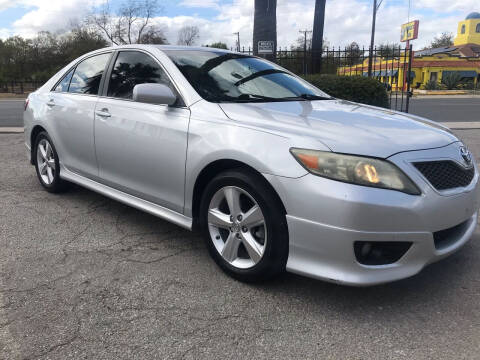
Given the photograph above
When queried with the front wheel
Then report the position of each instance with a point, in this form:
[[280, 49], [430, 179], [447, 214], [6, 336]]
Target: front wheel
[[244, 226]]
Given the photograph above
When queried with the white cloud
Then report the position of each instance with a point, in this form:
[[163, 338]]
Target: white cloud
[[5, 4], [212, 4], [4, 33], [342, 24], [445, 6], [51, 15]]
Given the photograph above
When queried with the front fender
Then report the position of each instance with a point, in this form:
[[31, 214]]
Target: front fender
[[220, 138]]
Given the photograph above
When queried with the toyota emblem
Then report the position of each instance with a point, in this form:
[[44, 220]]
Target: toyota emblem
[[466, 155]]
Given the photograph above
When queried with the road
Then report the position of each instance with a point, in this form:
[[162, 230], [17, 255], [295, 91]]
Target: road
[[11, 113], [450, 109], [447, 109], [85, 277]]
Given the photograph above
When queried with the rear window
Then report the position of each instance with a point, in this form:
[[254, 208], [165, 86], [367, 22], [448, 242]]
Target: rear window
[[64, 84], [87, 75]]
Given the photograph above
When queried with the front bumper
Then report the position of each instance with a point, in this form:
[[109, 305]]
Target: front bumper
[[325, 218]]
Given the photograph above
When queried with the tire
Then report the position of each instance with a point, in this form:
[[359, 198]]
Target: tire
[[246, 260], [47, 164]]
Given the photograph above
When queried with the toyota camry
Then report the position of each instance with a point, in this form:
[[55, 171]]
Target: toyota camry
[[276, 174]]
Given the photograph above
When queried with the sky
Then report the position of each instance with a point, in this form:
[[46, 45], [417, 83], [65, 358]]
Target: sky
[[346, 20]]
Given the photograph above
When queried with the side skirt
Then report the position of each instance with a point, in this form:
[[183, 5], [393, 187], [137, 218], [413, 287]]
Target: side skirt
[[147, 206]]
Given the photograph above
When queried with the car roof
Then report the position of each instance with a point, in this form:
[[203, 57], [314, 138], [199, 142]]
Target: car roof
[[169, 47]]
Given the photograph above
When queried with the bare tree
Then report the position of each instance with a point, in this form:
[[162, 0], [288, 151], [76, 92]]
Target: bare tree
[[187, 35], [132, 23]]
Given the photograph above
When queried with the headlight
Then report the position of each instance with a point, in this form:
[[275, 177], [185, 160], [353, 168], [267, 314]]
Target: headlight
[[355, 169]]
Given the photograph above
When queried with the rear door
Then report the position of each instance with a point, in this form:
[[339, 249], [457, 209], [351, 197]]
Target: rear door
[[141, 148], [71, 107]]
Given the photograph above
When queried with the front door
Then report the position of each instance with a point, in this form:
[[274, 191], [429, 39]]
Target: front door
[[141, 148]]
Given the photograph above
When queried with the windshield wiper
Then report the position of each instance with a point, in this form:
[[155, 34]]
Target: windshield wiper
[[249, 98], [309, 97], [261, 98], [259, 74]]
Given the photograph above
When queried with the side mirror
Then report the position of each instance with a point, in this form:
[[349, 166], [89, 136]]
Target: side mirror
[[157, 94]]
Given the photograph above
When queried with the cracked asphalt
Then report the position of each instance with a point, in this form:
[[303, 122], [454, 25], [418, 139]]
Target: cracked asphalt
[[85, 277]]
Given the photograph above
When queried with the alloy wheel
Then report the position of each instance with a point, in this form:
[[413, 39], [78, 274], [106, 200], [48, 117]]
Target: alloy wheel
[[237, 227], [46, 161]]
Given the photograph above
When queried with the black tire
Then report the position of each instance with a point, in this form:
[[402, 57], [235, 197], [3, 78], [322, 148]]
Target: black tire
[[57, 185], [275, 254]]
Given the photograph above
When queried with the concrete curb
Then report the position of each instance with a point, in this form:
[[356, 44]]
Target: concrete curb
[[459, 125], [11, 130]]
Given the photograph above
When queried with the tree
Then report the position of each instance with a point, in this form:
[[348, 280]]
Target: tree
[[300, 43], [41, 57], [132, 23], [187, 35], [353, 53], [388, 50], [153, 36], [444, 40], [218, 45]]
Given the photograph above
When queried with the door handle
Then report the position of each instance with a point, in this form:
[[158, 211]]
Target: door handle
[[103, 113], [51, 103]]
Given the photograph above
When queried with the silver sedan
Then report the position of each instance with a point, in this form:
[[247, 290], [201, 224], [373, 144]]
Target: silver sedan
[[275, 173]]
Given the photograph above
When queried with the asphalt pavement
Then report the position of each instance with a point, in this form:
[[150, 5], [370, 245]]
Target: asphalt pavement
[[447, 109], [85, 277], [11, 113]]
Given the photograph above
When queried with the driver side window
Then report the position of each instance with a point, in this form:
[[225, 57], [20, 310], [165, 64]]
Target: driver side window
[[132, 68]]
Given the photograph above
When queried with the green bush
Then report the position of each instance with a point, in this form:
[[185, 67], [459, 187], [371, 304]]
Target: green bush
[[353, 88], [433, 85], [451, 80]]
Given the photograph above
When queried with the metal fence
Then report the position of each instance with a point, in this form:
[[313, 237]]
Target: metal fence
[[389, 65]]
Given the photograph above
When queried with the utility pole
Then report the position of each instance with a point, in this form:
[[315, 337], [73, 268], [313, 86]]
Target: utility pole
[[372, 41], [317, 36], [265, 27], [238, 40], [305, 32]]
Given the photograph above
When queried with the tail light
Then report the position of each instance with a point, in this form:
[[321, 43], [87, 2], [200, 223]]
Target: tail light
[[26, 104]]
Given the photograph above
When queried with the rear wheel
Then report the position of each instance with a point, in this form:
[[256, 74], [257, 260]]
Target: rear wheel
[[244, 226], [47, 164]]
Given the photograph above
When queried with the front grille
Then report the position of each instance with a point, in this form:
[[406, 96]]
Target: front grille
[[445, 174]]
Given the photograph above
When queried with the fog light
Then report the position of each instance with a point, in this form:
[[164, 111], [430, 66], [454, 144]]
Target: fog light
[[380, 252]]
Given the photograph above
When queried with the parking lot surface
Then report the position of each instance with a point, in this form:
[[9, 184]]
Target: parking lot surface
[[85, 277]]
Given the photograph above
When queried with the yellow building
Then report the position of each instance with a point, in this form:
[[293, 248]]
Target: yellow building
[[432, 65]]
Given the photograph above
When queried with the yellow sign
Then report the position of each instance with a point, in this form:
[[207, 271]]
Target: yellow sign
[[409, 31]]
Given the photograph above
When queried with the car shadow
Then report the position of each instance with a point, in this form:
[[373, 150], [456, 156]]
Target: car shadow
[[436, 285]]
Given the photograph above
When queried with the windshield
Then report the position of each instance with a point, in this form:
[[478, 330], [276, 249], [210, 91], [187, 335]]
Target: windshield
[[229, 77]]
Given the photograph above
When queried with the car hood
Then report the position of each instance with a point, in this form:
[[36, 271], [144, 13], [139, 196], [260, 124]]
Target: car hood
[[344, 126]]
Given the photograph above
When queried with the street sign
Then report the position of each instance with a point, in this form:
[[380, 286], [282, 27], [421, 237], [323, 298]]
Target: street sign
[[409, 31], [265, 47]]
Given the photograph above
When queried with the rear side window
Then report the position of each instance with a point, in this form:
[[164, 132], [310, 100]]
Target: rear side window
[[87, 75], [133, 68], [63, 85]]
